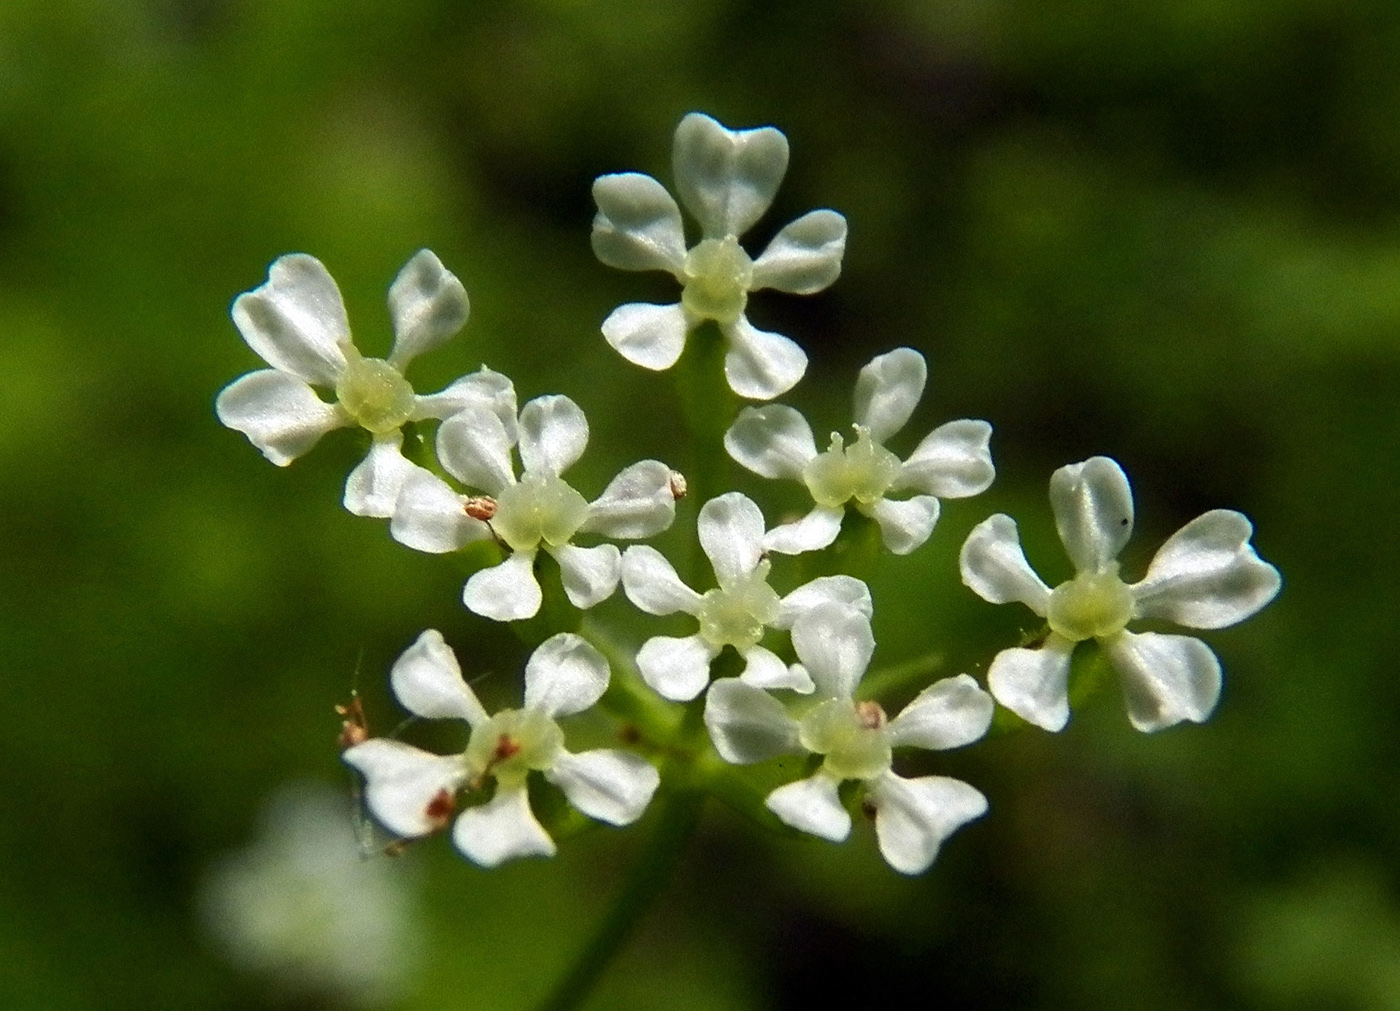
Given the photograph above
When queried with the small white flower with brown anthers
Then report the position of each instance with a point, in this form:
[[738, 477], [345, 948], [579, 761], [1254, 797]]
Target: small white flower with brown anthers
[[412, 792], [536, 512], [1205, 576], [952, 461], [857, 742], [297, 323]]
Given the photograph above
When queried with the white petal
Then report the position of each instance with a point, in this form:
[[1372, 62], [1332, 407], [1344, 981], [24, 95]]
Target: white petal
[[638, 226], [914, 816], [428, 682], [905, 524], [947, 714], [812, 805], [804, 257], [747, 724], [296, 320], [888, 390], [402, 782], [482, 388], [1033, 683], [846, 590], [428, 305], [1207, 574], [953, 461], [731, 535], [373, 487], [995, 568], [474, 447], [727, 178], [1165, 678], [565, 675], [590, 574], [553, 435], [676, 669], [761, 365], [637, 503], [278, 413], [764, 670], [652, 336], [505, 592], [1093, 511], [817, 530], [834, 643], [651, 583], [501, 830], [429, 516], [612, 786], [773, 441]]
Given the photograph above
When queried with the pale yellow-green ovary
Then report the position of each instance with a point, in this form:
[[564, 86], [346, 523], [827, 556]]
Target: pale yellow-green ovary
[[539, 508], [1092, 605], [854, 748], [718, 274], [862, 471]]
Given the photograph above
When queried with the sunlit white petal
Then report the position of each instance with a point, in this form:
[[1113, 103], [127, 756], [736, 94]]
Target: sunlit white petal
[[834, 643], [1093, 511], [812, 805], [761, 365], [1165, 678], [429, 516], [995, 568], [403, 782], [637, 503], [905, 525], [727, 178], [805, 256], [501, 830], [638, 225], [887, 391], [1207, 574], [278, 412], [846, 590], [553, 434], [612, 786], [505, 592], [428, 305], [651, 583], [947, 714], [817, 530], [373, 487], [590, 575], [296, 320], [428, 682], [914, 816], [676, 668], [763, 669], [475, 448], [953, 461], [482, 388], [652, 336], [731, 535], [1034, 683], [773, 441], [565, 675]]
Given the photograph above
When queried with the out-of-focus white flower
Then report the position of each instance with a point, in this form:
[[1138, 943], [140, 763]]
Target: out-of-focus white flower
[[736, 613], [1205, 576], [413, 792], [953, 461], [301, 907], [297, 323], [727, 180], [539, 511], [912, 816]]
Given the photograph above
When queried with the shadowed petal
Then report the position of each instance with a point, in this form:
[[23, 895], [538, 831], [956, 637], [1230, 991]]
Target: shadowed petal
[[475, 447], [590, 574], [905, 524], [747, 724], [637, 503], [846, 590], [652, 336], [947, 714], [638, 225], [953, 461]]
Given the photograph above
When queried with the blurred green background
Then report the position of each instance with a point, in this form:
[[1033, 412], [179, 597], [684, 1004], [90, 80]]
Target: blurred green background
[[1164, 231]]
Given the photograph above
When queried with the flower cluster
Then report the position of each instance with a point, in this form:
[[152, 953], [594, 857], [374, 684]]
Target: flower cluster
[[775, 665]]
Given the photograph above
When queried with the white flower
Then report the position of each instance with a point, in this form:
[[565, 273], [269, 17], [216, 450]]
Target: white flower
[[727, 180], [912, 816], [736, 613], [301, 905], [297, 323], [412, 792], [1205, 576], [953, 461], [539, 511]]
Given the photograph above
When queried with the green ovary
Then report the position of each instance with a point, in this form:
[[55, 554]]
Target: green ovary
[[718, 274], [862, 471], [512, 743], [374, 393], [853, 738], [541, 507], [736, 615], [1092, 605]]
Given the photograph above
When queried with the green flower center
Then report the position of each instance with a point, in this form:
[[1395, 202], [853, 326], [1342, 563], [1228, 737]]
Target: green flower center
[[736, 615], [718, 274], [1092, 605], [541, 507], [851, 735], [862, 471], [513, 742], [374, 393]]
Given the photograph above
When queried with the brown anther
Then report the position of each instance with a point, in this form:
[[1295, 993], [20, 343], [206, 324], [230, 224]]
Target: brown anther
[[868, 808], [398, 847], [479, 507], [353, 729], [629, 734], [439, 809], [506, 747], [679, 488], [871, 716]]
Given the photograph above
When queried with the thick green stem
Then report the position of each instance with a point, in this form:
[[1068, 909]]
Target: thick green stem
[[680, 812]]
